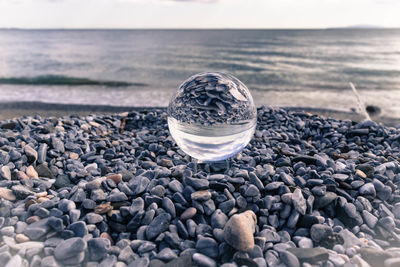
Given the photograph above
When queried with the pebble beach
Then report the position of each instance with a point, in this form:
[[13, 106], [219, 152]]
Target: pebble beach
[[115, 190]]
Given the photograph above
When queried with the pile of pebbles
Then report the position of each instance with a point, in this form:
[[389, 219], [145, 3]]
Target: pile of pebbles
[[115, 190], [212, 98]]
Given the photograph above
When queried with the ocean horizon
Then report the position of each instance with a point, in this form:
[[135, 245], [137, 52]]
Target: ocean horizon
[[143, 67]]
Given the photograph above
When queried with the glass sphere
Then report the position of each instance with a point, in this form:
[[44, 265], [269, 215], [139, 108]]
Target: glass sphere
[[212, 116]]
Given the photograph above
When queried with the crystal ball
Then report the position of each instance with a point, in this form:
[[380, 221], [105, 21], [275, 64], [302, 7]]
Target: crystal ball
[[212, 116]]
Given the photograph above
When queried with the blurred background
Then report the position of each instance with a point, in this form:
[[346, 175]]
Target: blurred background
[[67, 56]]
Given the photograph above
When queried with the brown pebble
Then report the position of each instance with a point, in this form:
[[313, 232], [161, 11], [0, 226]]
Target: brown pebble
[[361, 174], [103, 208], [117, 178], [107, 236], [7, 194], [94, 124], [21, 175], [21, 238], [85, 127], [29, 202], [166, 163], [32, 219], [115, 143], [239, 230], [73, 155], [31, 172], [188, 213], [42, 199], [41, 194]]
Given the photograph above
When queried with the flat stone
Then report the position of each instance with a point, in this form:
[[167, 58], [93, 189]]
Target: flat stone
[[10, 242], [239, 230], [98, 248], [139, 184], [201, 195], [7, 194], [69, 248], [93, 218], [37, 229], [289, 259], [62, 181], [197, 184], [393, 262], [321, 202], [207, 246], [310, 255], [166, 254], [369, 219], [374, 256], [21, 191], [202, 260], [319, 232], [183, 260], [158, 225]]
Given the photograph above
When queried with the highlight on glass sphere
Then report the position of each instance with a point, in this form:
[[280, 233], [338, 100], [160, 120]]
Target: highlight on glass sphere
[[212, 116]]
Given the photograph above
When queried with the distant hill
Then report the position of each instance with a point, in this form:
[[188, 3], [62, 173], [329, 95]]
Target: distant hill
[[361, 26]]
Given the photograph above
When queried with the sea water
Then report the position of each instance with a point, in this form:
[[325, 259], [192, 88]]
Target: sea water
[[210, 144]]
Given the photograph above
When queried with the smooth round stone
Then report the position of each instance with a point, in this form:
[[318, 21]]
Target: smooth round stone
[[202, 260], [98, 248], [367, 190], [289, 259], [239, 230], [305, 243], [207, 246], [21, 238], [218, 219], [169, 206], [188, 213], [93, 218], [369, 219]]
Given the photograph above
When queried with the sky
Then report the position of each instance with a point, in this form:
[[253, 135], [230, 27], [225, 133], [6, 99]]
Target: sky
[[197, 13]]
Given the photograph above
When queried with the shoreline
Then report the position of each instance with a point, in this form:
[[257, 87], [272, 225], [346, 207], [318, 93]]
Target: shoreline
[[10, 110]]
